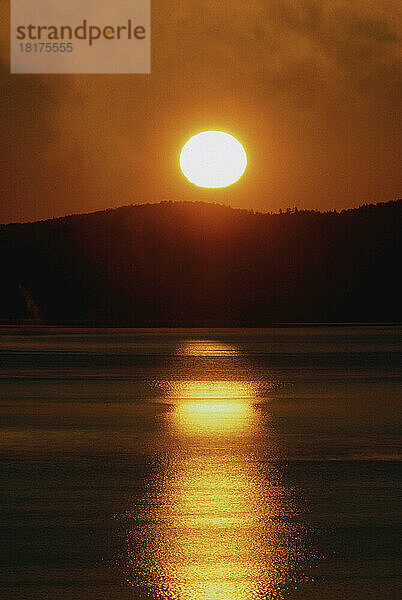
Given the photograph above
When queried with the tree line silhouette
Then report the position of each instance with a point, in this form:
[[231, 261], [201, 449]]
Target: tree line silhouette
[[195, 264]]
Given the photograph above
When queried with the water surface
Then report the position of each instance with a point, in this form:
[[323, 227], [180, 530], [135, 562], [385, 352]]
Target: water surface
[[200, 464]]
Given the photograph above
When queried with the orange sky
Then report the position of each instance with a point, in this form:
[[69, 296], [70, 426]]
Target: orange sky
[[310, 88]]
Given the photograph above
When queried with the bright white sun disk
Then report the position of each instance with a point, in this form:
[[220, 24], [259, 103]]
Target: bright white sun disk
[[213, 159]]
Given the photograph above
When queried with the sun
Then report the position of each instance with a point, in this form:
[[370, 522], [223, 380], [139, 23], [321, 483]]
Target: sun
[[213, 159]]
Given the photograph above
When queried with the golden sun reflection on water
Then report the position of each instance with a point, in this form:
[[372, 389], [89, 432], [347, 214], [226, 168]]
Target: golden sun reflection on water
[[206, 348], [212, 525], [217, 418], [215, 535], [213, 407], [214, 390]]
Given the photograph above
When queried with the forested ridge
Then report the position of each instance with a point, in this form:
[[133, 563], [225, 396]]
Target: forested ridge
[[203, 264]]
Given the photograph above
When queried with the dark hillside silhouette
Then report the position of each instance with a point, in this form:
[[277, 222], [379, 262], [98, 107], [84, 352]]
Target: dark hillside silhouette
[[204, 264]]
